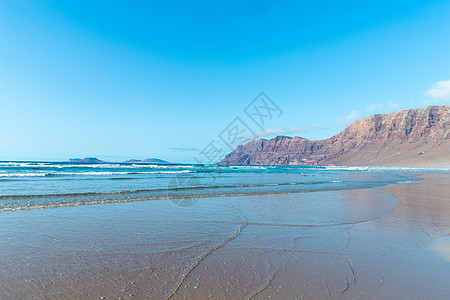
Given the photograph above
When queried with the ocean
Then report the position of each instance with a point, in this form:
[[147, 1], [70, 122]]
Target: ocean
[[36, 185]]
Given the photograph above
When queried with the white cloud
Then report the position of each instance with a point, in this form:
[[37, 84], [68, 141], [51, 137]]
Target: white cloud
[[271, 132], [322, 127], [184, 148], [280, 131], [381, 106], [374, 107], [439, 90], [350, 118], [393, 105]]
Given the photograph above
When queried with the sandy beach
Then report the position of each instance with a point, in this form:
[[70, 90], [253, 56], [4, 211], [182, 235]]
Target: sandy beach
[[389, 243], [224, 150]]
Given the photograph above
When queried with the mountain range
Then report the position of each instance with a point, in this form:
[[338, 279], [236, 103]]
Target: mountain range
[[409, 138]]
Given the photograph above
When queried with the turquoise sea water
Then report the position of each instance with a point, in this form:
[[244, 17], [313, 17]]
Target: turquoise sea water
[[29, 185]]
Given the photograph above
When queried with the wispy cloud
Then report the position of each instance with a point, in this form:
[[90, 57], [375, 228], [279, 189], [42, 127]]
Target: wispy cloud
[[440, 90], [382, 106], [374, 107], [272, 132], [184, 148], [350, 118], [321, 127], [280, 131], [393, 105]]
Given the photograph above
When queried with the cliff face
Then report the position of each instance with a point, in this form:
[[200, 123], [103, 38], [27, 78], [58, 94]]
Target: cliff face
[[415, 137], [147, 161], [87, 160]]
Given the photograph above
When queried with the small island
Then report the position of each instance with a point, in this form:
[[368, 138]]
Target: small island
[[94, 160]]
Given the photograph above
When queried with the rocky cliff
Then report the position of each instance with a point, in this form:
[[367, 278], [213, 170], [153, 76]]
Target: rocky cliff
[[415, 137], [155, 161], [87, 160]]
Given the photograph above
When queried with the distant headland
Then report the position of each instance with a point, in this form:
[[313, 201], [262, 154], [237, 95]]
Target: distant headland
[[407, 138]]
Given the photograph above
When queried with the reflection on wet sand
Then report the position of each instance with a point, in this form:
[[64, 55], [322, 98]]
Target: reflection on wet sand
[[442, 247], [380, 244]]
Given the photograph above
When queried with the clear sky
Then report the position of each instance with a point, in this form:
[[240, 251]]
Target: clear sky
[[138, 79]]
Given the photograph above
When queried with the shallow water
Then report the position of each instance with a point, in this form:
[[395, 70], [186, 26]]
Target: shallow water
[[31, 185], [319, 245], [333, 235]]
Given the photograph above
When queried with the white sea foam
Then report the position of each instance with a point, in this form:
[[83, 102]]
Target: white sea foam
[[125, 166], [13, 164], [23, 174], [168, 172], [407, 169], [348, 168], [91, 166], [252, 167], [117, 173], [88, 173]]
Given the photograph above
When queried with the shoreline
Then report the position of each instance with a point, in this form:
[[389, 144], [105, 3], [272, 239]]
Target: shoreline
[[381, 243], [169, 194]]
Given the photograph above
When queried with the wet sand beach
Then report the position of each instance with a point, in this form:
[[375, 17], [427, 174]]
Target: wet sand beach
[[388, 243]]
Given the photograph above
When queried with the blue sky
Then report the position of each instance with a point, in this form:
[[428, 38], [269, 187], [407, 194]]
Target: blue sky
[[125, 79]]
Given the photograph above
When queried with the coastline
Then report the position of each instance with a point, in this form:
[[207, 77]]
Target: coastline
[[224, 150], [318, 245]]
